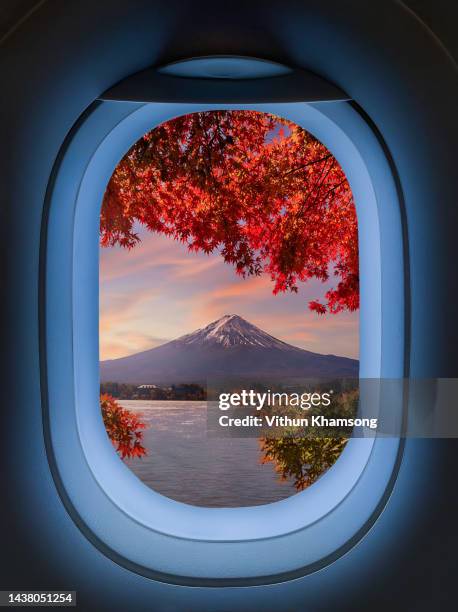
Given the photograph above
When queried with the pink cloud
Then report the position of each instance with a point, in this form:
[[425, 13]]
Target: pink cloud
[[160, 290]]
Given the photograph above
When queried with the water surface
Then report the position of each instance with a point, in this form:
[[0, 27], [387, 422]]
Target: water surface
[[186, 465]]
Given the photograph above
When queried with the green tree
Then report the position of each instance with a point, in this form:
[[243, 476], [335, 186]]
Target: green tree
[[305, 457]]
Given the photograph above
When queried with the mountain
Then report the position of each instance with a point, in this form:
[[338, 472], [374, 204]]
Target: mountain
[[230, 346]]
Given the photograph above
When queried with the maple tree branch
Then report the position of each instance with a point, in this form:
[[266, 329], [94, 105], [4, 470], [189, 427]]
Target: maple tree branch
[[250, 199], [316, 161], [334, 188], [306, 204]]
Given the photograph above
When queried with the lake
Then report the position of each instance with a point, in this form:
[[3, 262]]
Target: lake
[[186, 465]]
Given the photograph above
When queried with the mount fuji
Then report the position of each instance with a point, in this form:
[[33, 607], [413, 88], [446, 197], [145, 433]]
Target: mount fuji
[[230, 346]]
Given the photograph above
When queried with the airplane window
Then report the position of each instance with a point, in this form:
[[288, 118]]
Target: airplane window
[[186, 245], [229, 288]]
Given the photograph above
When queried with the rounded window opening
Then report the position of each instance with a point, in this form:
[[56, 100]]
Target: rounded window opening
[[229, 291]]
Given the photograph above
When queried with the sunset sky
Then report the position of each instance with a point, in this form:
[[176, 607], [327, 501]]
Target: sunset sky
[[159, 291]]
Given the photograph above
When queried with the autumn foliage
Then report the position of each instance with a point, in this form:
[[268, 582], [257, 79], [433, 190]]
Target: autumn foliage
[[123, 428], [304, 457], [255, 187], [303, 460]]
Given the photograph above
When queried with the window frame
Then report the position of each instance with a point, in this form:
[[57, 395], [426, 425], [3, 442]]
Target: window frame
[[142, 529]]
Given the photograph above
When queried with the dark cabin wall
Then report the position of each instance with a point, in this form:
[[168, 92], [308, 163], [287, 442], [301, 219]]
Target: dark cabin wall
[[440, 17]]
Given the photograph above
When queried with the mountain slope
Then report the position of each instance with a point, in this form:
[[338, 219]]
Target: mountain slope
[[232, 330], [230, 346]]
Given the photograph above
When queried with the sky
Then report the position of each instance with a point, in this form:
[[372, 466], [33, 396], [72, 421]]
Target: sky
[[159, 291]]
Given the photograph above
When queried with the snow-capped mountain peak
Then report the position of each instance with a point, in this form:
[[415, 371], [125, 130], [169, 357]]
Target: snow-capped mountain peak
[[228, 347], [233, 330]]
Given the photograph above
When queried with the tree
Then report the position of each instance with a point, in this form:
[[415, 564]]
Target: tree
[[123, 428], [303, 459], [305, 456], [255, 187]]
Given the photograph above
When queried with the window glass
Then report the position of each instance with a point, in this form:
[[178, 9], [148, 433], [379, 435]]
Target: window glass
[[229, 288]]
